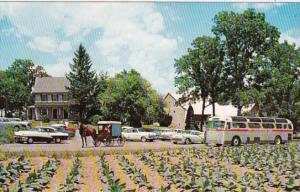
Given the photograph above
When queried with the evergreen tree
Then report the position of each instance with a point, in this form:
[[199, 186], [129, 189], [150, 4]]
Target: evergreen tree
[[189, 120], [84, 86]]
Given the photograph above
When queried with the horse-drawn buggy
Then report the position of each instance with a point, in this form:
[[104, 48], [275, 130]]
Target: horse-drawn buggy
[[109, 133]]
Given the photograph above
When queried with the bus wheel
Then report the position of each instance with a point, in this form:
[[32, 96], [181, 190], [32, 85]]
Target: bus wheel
[[236, 141], [277, 140]]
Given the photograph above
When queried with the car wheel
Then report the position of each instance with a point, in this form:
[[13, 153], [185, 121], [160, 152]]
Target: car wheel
[[143, 139], [16, 140], [187, 141], [57, 140], [16, 128], [236, 141], [277, 140], [30, 140]]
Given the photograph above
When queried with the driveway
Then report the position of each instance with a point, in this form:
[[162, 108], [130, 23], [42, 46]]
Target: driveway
[[75, 145]]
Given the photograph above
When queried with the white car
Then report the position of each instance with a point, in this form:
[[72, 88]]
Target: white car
[[188, 136], [166, 133], [16, 123], [40, 134], [138, 134], [126, 127]]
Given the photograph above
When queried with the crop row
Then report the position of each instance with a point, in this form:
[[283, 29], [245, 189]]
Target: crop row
[[245, 168]]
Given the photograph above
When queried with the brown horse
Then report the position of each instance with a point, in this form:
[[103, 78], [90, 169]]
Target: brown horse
[[85, 131]]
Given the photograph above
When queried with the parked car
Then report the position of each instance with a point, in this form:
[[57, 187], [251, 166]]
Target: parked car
[[16, 123], [166, 133], [138, 134], [40, 134], [126, 127], [188, 136], [157, 132], [63, 128]]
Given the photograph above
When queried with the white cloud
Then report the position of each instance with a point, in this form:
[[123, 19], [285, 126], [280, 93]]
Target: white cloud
[[132, 34], [64, 46], [43, 44], [48, 45], [60, 68], [288, 36]]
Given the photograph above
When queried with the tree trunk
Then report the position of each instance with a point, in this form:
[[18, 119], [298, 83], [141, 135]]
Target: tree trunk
[[202, 115], [213, 108], [239, 111]]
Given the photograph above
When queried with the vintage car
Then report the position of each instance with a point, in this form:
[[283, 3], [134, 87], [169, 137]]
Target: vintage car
[[40, 134], [15, 123], [138, 134], [126, 127], [166, 133], [63, 128], [188, 137]]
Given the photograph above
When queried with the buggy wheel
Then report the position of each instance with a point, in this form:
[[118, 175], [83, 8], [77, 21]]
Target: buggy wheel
[[121, 141]]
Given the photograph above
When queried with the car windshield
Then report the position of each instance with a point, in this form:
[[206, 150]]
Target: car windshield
[[141, 130], [196, 133], [187, 132], [215, 124]]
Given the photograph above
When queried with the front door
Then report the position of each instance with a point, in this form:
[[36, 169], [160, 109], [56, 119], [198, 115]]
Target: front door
[[54, 113]]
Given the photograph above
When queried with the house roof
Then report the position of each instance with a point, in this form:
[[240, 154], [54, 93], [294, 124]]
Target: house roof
[[220, 110], [50, 85]]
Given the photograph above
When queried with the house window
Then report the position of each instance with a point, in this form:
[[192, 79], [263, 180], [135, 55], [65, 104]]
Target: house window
[[54, 97], [44, 98]]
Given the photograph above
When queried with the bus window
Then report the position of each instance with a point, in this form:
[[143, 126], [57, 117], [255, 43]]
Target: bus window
[[254, 125], [290, 126], [268, 125], [284, 126], [238, 125], [279, 126], [215, 124]]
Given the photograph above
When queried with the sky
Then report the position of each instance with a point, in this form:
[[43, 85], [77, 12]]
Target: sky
[[147, 37]]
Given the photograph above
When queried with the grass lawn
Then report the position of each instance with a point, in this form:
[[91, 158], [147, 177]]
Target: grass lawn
[[40, 123]]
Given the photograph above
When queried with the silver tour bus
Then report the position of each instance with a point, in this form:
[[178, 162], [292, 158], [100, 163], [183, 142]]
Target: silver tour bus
[[236, 130]]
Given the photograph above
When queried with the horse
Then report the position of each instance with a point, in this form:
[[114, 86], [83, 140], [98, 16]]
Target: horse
[[86, 131]]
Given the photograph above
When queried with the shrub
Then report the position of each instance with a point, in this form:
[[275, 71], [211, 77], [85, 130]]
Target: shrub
[[94, 119], [165, 121], [44, 118], [7, 135]]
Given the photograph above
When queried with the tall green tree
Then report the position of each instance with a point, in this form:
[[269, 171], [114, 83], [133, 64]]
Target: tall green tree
[[210, 54], [245, 37], [84, 86], [17, 82], [276, 90], [200, 73], [130, 98]]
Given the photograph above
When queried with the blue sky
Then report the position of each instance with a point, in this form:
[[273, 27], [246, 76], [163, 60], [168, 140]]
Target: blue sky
[[144, 36]]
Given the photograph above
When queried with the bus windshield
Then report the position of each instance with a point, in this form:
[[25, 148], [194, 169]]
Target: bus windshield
[[215, 124]]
